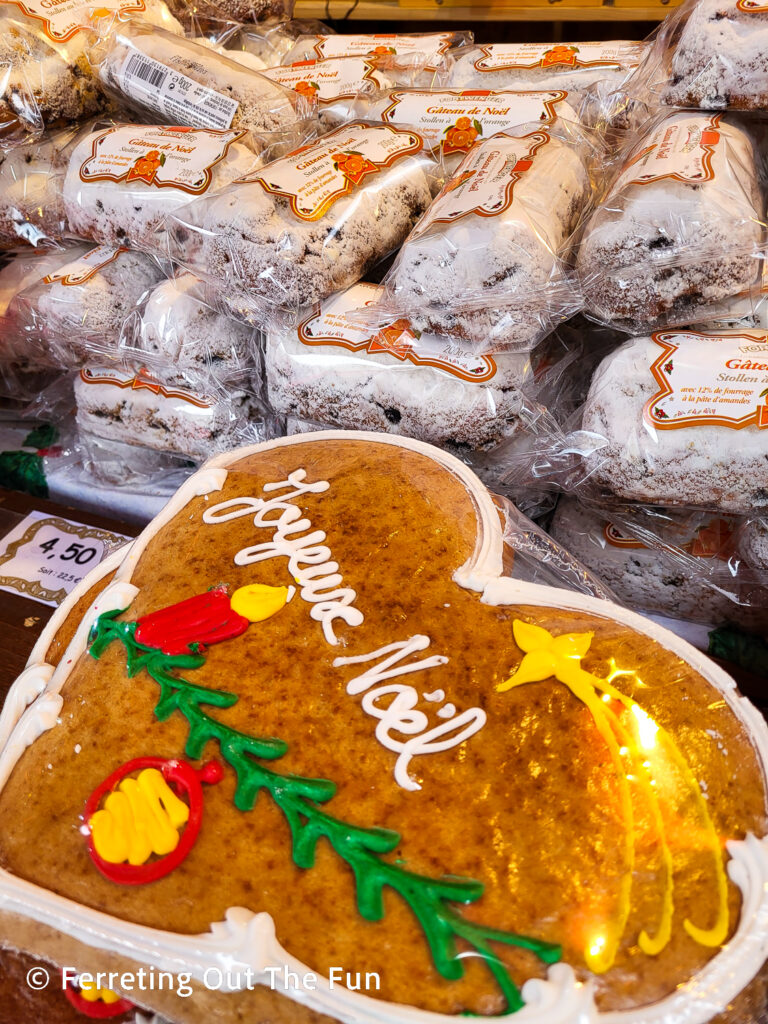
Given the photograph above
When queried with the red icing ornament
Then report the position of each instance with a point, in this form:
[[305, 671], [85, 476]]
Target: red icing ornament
[[97, 1010], [186, 782], [203, 619]]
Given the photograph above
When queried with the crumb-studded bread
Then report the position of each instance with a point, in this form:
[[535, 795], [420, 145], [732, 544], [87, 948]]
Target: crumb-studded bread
[[336, 372], [706, 464], [313, 222], [679, 228], [107, 201], [690, 579], [178, 333], [718, 60], [574, 850], [484, 263], [234, 96]]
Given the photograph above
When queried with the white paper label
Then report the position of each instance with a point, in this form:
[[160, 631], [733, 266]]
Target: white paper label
[[315, 176], [485, 179], [680, 148], [81, 270], [173, 95], [64, 19], [331, 325], [179, 158], [456, 120], [558, 56], [45, 556], [710, 380], [432, 45], [325, 80]]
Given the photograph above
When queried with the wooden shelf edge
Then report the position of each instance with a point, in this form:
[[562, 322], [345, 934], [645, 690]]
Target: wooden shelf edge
[[368, 10]]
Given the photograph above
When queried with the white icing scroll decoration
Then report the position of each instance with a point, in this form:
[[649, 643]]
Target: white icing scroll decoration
[[309, 559]]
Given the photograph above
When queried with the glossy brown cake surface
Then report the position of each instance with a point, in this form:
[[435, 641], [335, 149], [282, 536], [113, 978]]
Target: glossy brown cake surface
[[529, 805]]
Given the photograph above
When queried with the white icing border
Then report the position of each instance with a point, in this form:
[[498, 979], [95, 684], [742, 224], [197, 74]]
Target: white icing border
[[247, 940]]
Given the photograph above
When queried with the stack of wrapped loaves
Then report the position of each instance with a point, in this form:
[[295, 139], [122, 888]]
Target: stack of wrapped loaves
[[220, 224]]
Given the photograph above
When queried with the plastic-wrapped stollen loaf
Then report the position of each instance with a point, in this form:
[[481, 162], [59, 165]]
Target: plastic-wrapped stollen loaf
[[137, 409], [336, 372], [123, 180], [425, 50], [234, 10], [678, 419], [718, 59], [678, 230], [46, 77], [577, 68], [31, 210], [335, 83], [180, 82], [690, 579], [177, 332], [313, 222], [484, 263], [80, 305]]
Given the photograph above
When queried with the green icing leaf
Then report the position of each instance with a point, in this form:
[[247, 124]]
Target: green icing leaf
[[300, 800], [23, 471]]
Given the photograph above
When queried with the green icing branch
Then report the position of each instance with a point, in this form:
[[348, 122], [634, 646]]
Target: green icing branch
[[298, 798]]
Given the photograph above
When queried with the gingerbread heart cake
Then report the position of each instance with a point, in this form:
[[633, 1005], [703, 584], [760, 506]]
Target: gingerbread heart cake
[[301, 754]]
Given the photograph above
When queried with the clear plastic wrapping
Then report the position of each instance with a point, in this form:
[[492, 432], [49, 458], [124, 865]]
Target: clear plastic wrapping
[[31, 210], [237, 10], [176, 334], [675, 419], [272, 39], [336, 84], [81, 302], [334, 371], [585, 71], [123, 180], [708, 54], [486, 262], [311, 223], [680, 228], [46, 78], [452, 121], [178, 81], [140, 409], [692, 565], [429, 52]]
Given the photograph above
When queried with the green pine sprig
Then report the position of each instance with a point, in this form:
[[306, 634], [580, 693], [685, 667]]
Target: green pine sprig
[[299, 799]]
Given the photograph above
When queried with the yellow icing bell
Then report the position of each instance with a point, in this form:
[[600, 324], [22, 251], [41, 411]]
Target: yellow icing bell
[[257, 601], [91, 994], [141, 817]]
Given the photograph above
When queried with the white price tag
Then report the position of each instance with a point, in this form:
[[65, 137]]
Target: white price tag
[[45, 556]]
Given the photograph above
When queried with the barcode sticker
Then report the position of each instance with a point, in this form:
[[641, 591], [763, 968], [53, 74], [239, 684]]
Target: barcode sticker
[[175, 97]]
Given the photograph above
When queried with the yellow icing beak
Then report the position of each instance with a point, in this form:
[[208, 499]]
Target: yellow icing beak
[[257, 601]]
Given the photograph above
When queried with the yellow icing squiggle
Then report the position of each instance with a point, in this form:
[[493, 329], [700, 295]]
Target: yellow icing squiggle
[[143, 816], [547, 656]]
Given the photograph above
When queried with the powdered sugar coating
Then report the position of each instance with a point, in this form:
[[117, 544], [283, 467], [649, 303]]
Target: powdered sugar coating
[[660, 253], [263, 106], [153, 420], [122, 213], [720, 58], [705, 465], [250, 239], [177, 331], [498, 281], [649, 579], [75, 319], [378, 391], [30, 191]]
